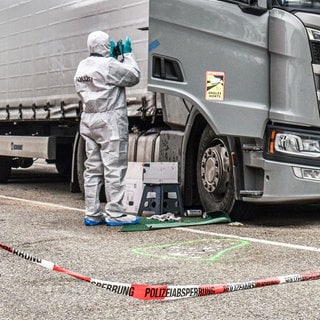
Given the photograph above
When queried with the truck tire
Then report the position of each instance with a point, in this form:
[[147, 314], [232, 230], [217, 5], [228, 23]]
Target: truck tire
[[215, 178], [5, 169], [214, 173]]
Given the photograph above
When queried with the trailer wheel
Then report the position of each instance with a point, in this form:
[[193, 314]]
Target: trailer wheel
[[5, 169], [214, 173]]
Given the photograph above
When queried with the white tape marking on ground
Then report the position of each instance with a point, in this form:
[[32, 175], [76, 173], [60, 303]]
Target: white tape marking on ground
[[269, 242], [39, 203]]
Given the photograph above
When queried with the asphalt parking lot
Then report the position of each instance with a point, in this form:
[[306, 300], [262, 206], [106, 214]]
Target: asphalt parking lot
[[39, 216]]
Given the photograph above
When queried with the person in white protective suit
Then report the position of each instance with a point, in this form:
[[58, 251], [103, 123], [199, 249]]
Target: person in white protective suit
[[100, 81]]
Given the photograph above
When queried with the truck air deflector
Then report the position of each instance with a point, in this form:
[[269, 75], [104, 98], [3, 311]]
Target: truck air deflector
[[166, 69]]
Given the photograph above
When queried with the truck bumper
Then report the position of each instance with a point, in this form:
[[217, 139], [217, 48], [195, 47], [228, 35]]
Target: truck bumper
[[284, 184]]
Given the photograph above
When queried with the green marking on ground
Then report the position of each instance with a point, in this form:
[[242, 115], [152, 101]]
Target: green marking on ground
[[197, 250]]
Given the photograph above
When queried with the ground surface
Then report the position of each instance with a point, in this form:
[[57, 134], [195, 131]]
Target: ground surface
[[280, 241]]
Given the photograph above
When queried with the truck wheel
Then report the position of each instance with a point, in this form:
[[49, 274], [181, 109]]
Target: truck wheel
[[214, 173], [215, 178], [5, 169]]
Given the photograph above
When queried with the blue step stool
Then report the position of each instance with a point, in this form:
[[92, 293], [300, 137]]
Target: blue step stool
[[161, 198]]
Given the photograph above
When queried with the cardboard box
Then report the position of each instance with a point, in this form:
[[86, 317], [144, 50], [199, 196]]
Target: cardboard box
[[160, 172], [134, 187], [133, 194], [141, 173]]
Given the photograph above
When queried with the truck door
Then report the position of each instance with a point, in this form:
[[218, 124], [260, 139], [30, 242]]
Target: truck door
[[215, 55]]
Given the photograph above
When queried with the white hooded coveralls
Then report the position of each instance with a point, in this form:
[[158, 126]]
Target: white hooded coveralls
[[100, 81]]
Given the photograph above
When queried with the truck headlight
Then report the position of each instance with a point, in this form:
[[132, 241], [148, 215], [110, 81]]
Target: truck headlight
[[313, 34], [295, 145]]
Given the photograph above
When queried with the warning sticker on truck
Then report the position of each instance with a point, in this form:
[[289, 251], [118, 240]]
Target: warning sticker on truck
[[215, 85]]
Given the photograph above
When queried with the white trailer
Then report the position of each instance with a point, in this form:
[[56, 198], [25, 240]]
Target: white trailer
[[236, 92], [42, 43]]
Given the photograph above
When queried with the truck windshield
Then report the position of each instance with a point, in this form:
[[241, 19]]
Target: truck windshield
[[305, 4]]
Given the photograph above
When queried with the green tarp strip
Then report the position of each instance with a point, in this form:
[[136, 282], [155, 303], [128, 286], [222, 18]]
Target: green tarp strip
[[152, 224]]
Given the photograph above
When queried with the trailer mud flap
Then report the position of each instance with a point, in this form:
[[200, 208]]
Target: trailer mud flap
[[28, 147]]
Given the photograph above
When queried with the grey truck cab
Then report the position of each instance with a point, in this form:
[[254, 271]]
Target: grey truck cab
[[241, 81]]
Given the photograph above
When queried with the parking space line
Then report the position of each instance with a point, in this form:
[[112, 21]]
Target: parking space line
[[40, 203], [222, 235], [262, 241]]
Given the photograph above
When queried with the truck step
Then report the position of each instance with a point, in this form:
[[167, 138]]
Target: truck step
[[252, 147], [251, 193]]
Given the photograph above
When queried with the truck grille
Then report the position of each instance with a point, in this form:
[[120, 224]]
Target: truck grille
[[316, 72], [315, 51]]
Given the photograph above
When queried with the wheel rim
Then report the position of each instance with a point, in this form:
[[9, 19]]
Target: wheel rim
[[215, 168]]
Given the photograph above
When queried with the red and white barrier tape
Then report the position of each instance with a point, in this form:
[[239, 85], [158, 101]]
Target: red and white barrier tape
[[166, 292]]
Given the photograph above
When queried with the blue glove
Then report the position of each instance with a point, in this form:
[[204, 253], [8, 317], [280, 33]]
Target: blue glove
[[113, 52], [127, 46]]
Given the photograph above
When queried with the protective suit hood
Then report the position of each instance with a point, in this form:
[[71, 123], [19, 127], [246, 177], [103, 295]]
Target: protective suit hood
[[99, 43]]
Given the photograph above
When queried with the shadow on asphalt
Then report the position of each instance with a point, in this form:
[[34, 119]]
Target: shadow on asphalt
[[286, 215], [30, 175]]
